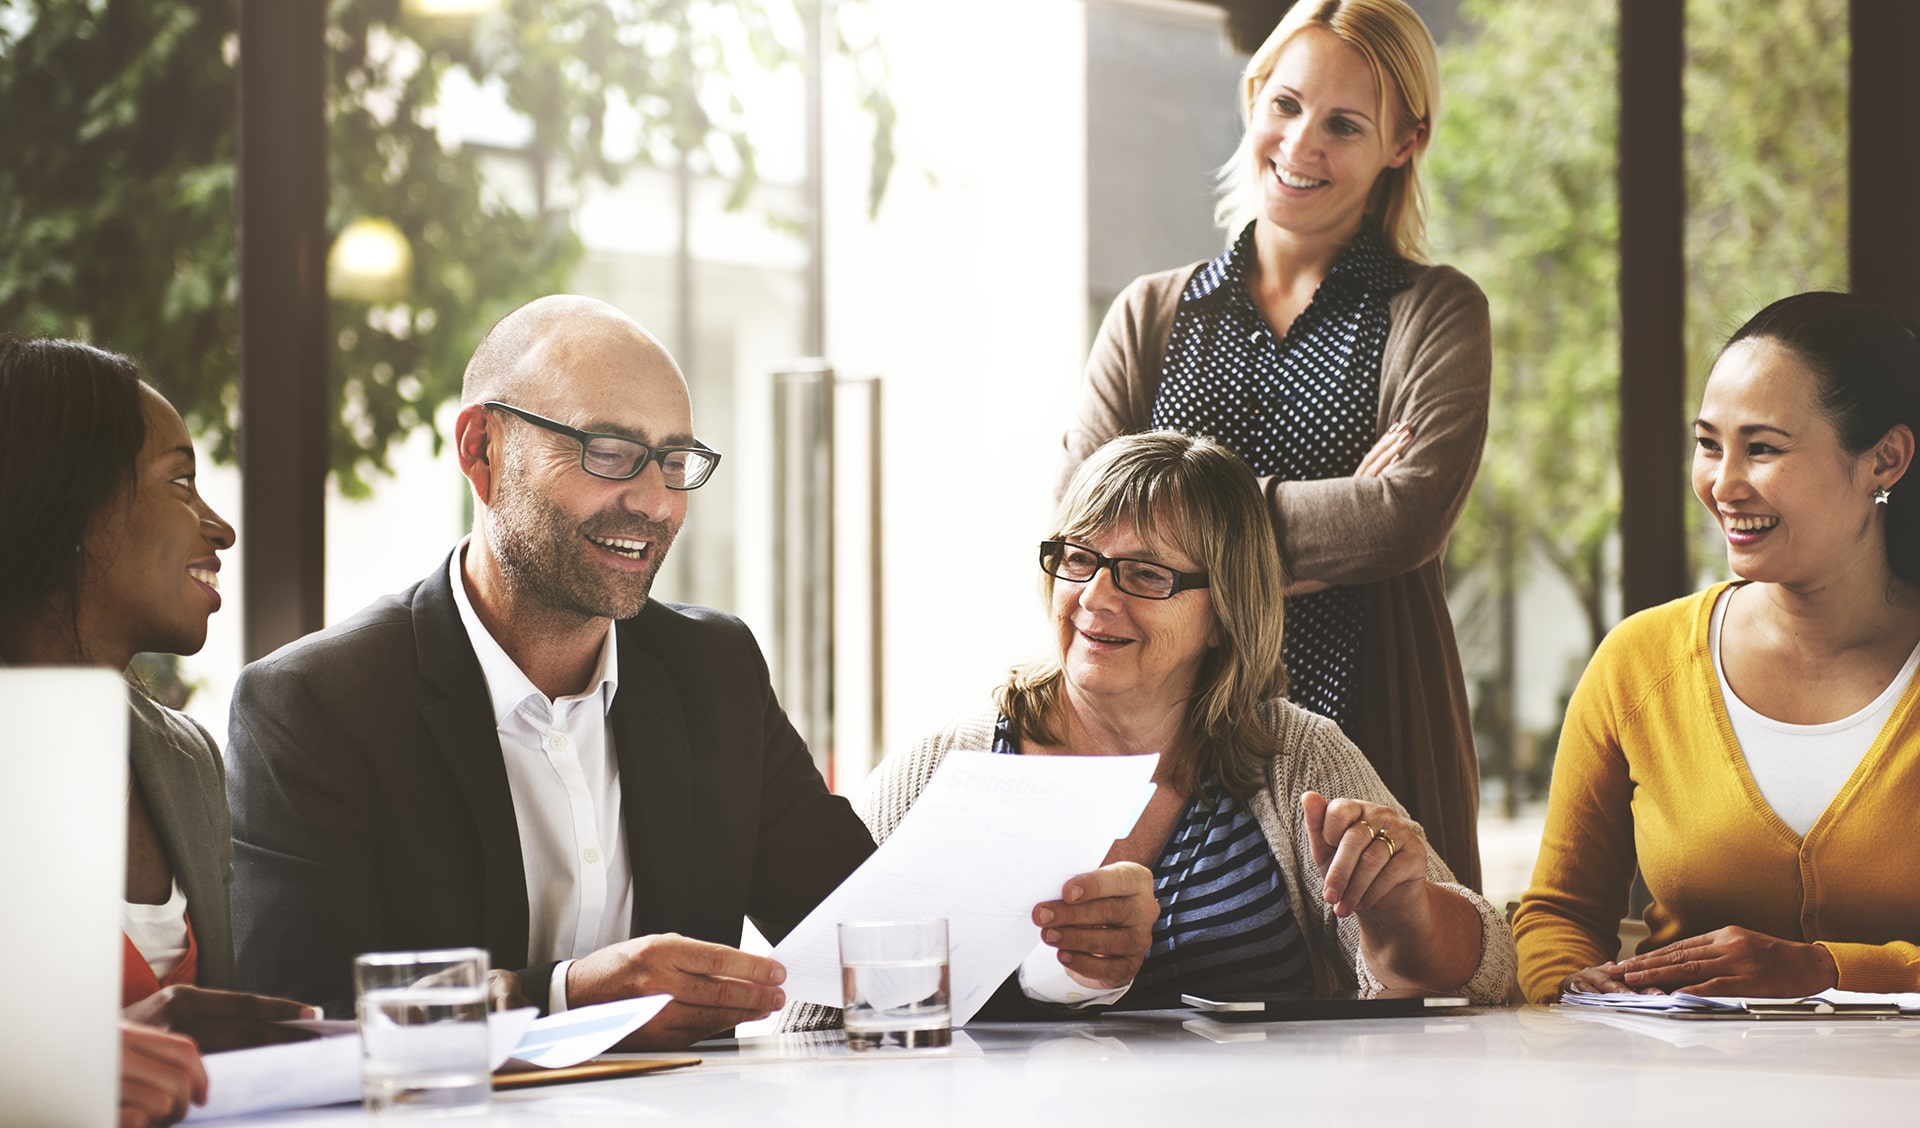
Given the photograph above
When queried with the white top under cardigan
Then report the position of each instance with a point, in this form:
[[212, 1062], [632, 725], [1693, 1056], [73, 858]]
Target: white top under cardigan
[[1800, 768]]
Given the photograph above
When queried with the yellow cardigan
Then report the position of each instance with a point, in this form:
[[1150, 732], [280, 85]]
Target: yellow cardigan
[[1648, 769]]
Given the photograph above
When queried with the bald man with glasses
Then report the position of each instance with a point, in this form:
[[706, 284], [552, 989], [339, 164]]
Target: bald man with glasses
[[526, 753]]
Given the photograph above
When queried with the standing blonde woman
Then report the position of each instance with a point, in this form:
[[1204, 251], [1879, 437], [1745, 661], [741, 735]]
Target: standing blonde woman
[[1349, 374]]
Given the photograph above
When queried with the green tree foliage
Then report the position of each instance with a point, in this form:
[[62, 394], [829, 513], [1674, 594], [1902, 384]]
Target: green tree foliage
[[1524, 171], [1767, 139], [1524, 175], [1524, 202], [117, 196]]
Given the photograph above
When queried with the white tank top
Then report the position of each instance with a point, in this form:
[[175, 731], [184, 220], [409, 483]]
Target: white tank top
[[1800, 768], [158, 932]]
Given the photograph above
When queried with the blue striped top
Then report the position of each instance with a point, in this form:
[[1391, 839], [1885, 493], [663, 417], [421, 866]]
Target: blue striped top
[[1226, 925]]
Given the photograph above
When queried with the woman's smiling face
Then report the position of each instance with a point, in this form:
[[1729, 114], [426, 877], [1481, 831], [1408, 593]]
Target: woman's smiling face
[[1317, 140], [150, 579], [1117, 646], [1794, 506]]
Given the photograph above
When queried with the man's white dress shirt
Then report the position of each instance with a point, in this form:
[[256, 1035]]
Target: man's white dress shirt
[[566, 799]]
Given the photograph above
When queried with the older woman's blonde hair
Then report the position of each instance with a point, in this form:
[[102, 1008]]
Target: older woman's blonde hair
[[1399, 49], [1193, 495]]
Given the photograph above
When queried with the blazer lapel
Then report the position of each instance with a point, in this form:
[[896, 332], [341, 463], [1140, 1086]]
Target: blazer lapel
[[180, 792], [461, 722], [656, 783]]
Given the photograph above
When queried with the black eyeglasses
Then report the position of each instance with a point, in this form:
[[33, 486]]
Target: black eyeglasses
[[618, 459], [1143, 578]]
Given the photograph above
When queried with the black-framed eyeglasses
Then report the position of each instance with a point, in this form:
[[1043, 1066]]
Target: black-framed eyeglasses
[[1077, 563], [618, 459]]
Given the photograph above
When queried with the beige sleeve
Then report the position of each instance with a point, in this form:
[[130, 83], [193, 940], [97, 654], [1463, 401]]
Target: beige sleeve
[[1435, 375], [1123, 368], [1329, 763]]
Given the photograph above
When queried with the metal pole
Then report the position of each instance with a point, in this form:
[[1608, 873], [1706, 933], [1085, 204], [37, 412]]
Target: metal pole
[[820, 30], [876, 605], [1652, 304], [803, 553], [284, 350]]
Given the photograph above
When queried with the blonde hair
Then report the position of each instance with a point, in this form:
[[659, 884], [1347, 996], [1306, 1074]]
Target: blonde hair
[[1194, 495], [1399, 49]]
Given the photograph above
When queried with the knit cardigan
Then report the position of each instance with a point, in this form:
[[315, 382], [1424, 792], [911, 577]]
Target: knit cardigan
[[1310, 754], [1387, 533], [1649, 771]]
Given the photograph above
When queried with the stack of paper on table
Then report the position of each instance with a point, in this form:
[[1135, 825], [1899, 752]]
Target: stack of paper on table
[[1827, 1004], [326, 1070]]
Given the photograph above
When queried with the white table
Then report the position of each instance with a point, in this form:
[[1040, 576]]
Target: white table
[[1531, 1066]]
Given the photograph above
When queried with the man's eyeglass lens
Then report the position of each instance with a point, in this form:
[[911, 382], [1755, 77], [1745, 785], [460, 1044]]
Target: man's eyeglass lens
[[621, 459], [618, 459]]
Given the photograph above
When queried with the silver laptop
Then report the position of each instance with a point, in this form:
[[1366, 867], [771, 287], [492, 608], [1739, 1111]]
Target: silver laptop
[[63, 829]]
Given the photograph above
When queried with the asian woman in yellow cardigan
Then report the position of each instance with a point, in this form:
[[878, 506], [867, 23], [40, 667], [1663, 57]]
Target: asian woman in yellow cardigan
[[1755, 747]]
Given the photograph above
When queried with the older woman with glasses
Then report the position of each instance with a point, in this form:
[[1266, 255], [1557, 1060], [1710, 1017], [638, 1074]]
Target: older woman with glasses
[[1279, 860]]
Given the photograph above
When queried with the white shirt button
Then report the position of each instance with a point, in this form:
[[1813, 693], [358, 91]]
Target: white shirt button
[[591, 856], [557, 741]]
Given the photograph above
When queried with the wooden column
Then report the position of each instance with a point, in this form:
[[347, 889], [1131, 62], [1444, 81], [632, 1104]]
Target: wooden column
[[1883, 163], [1653, 204], [284, 404]]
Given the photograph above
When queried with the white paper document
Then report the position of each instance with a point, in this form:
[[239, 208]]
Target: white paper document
[[571, 1037], [326, 1070], [1647, 1004], [1682, 1003], [988, 839]]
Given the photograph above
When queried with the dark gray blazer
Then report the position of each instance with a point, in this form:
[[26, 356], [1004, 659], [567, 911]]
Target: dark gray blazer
[[371, 809], [177, 767]]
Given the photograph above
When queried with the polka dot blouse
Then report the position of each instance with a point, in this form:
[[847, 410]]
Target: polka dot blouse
[[1299, 407]]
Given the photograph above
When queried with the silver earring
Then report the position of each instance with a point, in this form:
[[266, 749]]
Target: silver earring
[[1881, 494]]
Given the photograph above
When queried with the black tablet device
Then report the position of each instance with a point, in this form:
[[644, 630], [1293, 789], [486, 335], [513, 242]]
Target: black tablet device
[[1306, 1004]]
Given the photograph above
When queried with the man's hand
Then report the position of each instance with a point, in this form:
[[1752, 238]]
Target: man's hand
[[714, 987], [1102, 925], [1732, 961], [504, 991], [221, 1020], [159, 1074]]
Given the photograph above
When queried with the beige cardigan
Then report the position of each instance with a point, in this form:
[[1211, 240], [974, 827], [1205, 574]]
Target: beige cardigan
[[1311, 754], [1387, 533]]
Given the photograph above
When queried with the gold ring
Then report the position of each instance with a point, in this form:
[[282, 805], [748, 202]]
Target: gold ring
[[1382, 836], [1371, 833]]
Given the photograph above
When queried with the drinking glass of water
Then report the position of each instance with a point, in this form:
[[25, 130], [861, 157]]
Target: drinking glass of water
[[894, 976], [423, 1030]]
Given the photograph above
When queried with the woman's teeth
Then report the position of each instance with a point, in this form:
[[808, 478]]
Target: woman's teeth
[[1751, 524], [1293, 180], [211, 579]]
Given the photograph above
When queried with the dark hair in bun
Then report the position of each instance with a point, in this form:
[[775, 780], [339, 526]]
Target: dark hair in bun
[[1867, 359]]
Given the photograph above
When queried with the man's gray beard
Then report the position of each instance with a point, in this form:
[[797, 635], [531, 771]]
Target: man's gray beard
[[542, 554]]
